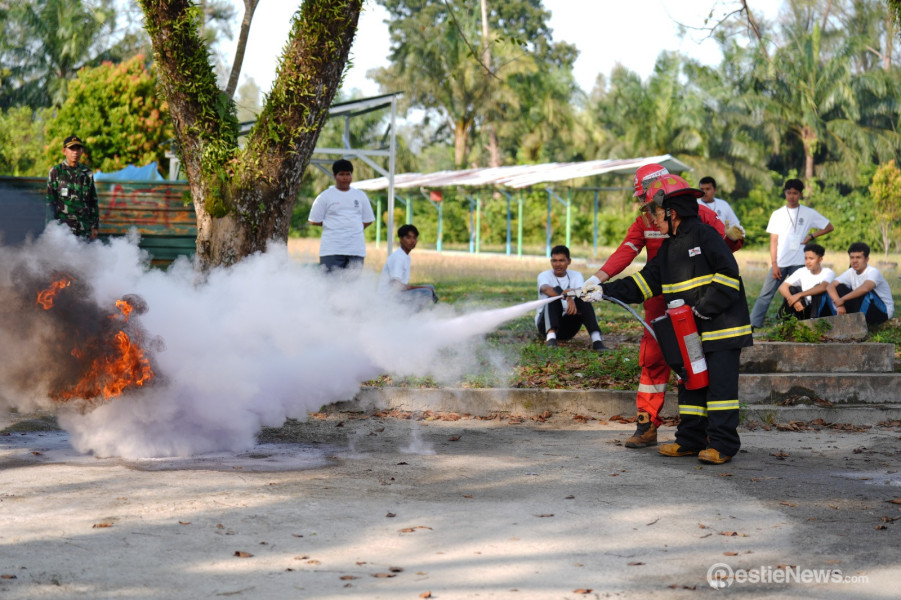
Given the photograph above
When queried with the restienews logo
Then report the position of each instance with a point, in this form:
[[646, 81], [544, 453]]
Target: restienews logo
[[721, 575]]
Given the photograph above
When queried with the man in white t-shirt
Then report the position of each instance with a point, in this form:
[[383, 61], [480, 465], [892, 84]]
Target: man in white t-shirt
[[343, 213], [723, 210], [791, 228], [562, 319], [862, 288], [805, 289], [395, 277]]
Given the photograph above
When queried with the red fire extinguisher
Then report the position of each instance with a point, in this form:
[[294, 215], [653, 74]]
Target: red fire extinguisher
[[677, 335]]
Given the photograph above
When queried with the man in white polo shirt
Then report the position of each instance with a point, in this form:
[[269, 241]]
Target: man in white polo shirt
[[791, 228], [343, 213], [862, 288]]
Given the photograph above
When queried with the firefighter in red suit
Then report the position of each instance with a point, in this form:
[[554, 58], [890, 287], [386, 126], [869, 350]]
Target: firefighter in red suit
[[694, 265], [643, 233]]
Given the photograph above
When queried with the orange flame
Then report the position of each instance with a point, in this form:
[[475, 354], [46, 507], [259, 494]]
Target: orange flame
[[121, 365], [125, 307], [46, 297]]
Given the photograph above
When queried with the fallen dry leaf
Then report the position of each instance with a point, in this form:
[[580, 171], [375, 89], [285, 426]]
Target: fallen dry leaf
[[542, 515], [101, 525], [425, 595], [454, 438], [582, 591], [881, 527], [35, 452], [730, 553], [635, 564], [786, 503], [895, 500], [467, 495], [184, 522], [361, 562], [725, 474], [396, 569], [348, 577], [412, 529], [384, 575], [7, 576], [390, 515], [242, 554], [570, 497]]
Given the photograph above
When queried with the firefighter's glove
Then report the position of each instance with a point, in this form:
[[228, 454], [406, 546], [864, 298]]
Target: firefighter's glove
[[592, 293], [698, 315], [735, 233]]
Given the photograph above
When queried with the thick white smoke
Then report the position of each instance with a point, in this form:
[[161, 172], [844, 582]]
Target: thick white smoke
[[245, 347]]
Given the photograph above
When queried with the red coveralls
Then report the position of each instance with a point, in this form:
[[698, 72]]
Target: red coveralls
[[655, 373]]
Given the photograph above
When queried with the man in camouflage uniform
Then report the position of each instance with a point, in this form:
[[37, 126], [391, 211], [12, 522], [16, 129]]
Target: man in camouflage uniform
[[71, 192]]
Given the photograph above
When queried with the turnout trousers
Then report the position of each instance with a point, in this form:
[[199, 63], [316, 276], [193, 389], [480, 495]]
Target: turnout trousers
[[708, 417], [655, 373]]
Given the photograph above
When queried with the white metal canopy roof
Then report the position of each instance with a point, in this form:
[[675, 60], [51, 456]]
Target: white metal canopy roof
[[520, 176]]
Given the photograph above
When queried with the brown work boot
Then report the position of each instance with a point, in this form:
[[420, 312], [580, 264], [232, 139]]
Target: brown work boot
[[675, 450], [645, 435], [712, 456]]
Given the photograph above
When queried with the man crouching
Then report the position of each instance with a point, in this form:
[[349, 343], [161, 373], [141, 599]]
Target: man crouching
[[695, 265]]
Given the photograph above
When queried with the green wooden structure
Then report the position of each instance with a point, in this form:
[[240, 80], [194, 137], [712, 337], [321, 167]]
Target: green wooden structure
[[161, 212]]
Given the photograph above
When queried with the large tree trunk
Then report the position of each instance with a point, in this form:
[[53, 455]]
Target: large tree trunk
[[809, 141], [244, 198]]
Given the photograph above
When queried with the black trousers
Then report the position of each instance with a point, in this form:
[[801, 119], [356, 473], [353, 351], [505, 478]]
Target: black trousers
[[567, 326], [818, 306], [708, 417], [872, 307]]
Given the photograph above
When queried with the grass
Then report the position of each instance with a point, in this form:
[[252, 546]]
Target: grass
[[496, 280]]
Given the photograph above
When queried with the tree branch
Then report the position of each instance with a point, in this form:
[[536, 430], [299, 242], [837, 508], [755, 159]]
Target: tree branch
[[249, 7]]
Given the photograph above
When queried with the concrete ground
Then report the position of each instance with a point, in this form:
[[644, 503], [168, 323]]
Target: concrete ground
[[350, 505]]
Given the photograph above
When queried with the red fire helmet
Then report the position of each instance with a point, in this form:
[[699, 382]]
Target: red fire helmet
[[645, 175], [671, 186]]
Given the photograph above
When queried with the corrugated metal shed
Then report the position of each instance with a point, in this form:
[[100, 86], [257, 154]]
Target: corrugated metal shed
[[521, 176]]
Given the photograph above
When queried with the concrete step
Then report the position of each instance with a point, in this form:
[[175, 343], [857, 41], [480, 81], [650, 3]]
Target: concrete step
[[837, 388], [600, 404], [791, 357]]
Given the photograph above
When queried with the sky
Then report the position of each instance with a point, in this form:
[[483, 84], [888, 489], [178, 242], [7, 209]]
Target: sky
[[606, 32]]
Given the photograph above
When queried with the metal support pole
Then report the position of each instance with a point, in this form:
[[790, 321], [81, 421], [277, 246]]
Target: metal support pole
[[519, 228], [478, 224], [392, 151], [595, 221], [547, 244], [440, 227], [509, 219], [471, 226], [378, 221], [569, 216], [410, 210]]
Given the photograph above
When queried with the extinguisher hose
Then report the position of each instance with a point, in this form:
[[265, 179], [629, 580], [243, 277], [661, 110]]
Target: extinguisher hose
[[634, 314]]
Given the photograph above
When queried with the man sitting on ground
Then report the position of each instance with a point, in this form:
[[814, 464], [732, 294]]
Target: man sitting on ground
[[395, 275], [805, 289], [862, 288], [561, 320]]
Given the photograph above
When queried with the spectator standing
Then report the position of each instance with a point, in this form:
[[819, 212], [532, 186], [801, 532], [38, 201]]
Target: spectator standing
[[791, 227], [343, 213], [562, 320], [71, 192], [723, 210], [862, 288], [395, 275], [805, 289]]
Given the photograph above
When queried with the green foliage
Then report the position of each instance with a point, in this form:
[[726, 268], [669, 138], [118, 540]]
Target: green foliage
[[792, 330], [44, 43], [115, 110], [886, 193], [22, 142]]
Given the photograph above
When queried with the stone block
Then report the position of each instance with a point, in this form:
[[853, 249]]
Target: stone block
[[845, 328], [826, 357]]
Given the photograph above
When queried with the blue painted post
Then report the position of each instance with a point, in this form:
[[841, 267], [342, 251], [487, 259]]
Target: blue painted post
[[595, 222], [440, 225], [519, 228], [547, 245], [509, 219], [478, 224]]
